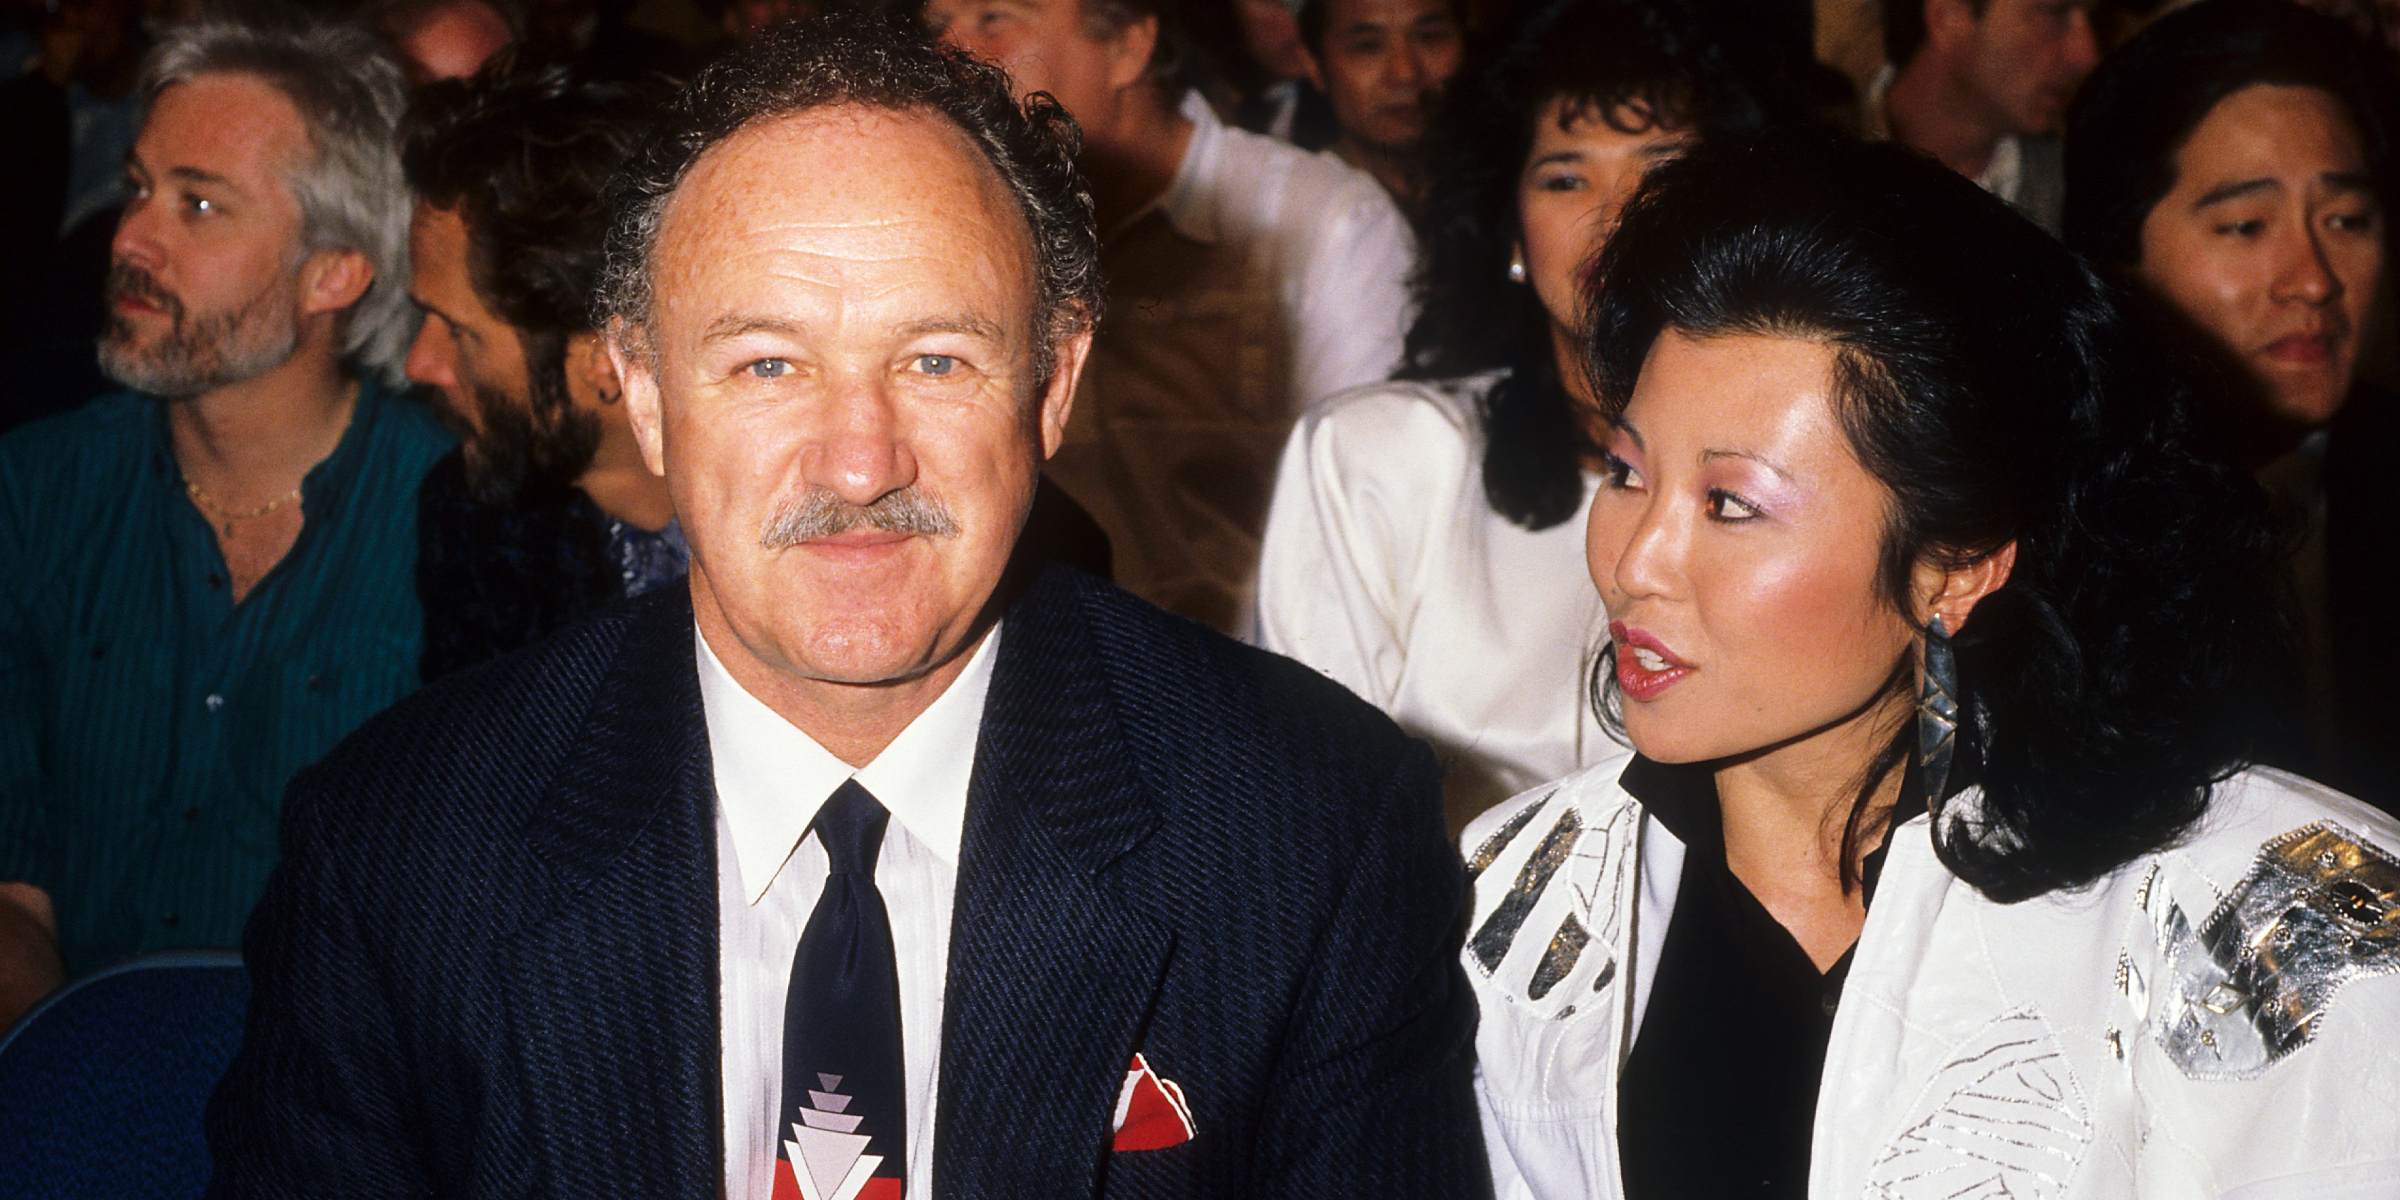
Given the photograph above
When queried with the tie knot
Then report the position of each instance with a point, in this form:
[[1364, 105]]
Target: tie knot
[[850, 826]]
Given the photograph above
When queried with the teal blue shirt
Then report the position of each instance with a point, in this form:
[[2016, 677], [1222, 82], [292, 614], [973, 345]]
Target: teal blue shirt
[[148, 723]]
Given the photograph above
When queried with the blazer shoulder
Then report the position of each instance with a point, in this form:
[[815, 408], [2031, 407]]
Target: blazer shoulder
[[1179, 684], [475, 748]]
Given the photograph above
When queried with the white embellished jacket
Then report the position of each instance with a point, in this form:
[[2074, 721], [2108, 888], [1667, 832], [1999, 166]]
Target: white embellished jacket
[[2219, 1019]]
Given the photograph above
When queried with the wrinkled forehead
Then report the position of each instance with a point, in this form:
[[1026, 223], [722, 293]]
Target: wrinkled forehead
[[879, 208]]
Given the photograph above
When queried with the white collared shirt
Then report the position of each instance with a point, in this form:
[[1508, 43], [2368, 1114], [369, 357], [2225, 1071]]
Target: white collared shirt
[[770, 779]]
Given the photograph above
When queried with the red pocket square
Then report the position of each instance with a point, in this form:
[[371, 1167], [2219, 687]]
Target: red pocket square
[[1151, 1114]]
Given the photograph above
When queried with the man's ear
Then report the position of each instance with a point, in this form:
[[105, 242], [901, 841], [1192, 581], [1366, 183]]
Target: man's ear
[[332, 280], [1952, 594], [1129, 52], [1058, 400], [592, 377], [635, 364]]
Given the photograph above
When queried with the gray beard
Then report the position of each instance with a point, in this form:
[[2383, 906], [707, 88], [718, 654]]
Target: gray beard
[[199, 354]]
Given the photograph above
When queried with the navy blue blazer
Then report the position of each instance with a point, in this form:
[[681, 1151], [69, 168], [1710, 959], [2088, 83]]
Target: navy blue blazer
[[487, 965]]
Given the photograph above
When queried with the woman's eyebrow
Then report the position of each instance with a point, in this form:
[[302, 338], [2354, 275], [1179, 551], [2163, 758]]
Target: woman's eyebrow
[[1747, 456]]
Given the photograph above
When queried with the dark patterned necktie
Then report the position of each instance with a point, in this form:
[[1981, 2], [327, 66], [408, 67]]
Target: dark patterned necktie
[[842, 1133]]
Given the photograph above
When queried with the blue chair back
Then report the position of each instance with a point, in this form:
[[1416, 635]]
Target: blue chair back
[[103, 1084]]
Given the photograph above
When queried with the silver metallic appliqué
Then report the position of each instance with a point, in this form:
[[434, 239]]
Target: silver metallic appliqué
[[1499, 931], [1501, 837], [1544, 941], [2319, 908], [2003, 1117]]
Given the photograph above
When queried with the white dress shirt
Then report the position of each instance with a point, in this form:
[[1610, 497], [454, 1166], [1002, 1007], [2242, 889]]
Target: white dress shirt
[[1385, 567], [771, 778]]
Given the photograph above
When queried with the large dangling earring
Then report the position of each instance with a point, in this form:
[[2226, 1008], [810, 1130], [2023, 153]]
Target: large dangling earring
[[1937, 714], [1516, 266]]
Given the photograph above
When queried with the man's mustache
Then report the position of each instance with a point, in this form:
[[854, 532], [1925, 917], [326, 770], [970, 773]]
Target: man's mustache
[[821, 514], [127, 280]]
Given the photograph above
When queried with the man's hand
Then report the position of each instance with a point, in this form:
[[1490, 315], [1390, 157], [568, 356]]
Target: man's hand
[[29, 964]]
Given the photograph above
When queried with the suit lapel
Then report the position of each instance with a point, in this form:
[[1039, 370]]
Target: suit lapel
[[1051, 974], [612, 998]]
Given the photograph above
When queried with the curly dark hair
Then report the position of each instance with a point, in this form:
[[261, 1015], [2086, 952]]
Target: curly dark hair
[[2137, 110], [2004, 393], [524, 153], [880, 61], [1639, 66]]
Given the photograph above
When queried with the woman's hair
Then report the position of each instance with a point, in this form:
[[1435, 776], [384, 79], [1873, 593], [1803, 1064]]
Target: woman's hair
[[2003, 393], [1636, 66], [2141, 106]]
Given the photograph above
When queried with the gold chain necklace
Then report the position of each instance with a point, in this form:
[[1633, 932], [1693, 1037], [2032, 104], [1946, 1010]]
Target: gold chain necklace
[[228, 516]]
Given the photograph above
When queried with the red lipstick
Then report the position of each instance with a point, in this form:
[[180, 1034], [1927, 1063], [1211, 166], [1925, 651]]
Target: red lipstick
[[1645, 667]]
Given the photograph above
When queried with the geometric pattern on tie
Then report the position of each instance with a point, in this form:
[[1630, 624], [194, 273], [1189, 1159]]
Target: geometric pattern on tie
[[843, 1129], [826, 1158]]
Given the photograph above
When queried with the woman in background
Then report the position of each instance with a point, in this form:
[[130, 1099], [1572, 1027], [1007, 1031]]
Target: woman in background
[[1938, 871], [2235, 160], [1425, 542]]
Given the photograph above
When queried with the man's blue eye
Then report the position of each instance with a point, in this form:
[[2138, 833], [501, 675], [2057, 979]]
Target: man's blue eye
[[936, 364], [770, 368]]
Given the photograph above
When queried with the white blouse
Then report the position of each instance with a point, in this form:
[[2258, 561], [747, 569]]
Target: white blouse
[[1385, 568]]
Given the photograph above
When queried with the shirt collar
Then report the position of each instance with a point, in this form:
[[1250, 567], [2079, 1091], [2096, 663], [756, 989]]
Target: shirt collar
[[2004, 175], [1683, 797], [771, 777], [329, 478], [1879, 122]]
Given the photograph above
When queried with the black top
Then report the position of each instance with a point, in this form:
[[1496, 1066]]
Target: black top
[[1719, 1094], [494, 577]]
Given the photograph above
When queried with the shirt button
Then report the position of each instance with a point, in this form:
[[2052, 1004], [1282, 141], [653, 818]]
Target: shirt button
[[169, 920], [214, 702], [1830, 1001], [191, 812]]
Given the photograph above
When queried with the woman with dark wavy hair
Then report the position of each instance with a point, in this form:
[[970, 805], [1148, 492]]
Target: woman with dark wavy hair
[[1425, 543], [1940, 869]]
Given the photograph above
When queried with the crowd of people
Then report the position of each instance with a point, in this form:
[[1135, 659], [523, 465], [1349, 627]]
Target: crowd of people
[[1552, 597]]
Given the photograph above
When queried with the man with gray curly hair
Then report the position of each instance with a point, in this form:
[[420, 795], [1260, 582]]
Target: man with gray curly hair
[[716, 894], [211, 573]]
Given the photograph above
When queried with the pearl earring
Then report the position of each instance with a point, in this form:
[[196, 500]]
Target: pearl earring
[[1516, 267]]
